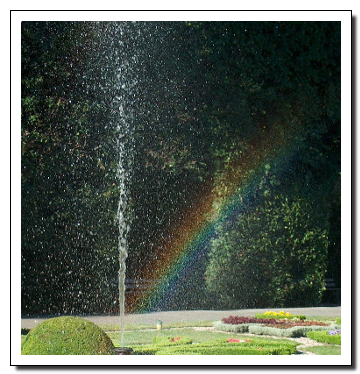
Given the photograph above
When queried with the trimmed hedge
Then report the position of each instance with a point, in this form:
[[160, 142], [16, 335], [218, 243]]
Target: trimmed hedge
[[292, 332], [324, 337], [244, 327], [67, 336], [221, 347], [223, 350], [257, 329]]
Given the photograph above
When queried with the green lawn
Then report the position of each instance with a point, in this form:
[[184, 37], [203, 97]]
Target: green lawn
[[169, 325], [325, 350], [201, 342], [146, 337]]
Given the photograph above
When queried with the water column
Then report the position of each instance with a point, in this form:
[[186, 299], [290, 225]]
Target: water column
[[116, 57], [126, 86], [123, 230]]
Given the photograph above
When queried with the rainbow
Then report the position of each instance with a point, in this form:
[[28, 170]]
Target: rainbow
[[190, 238]]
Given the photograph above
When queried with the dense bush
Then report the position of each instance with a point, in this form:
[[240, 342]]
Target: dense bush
[[274, 255], [324, 337], [67, 336]]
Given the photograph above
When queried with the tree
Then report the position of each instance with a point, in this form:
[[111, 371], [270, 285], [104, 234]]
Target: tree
[[195, 106], [272, 256], [68, 174]]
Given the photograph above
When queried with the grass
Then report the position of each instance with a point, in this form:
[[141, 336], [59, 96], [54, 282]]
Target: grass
[[225, 348], [335, 320], [146, 337], [202, 342], [324, 350], [165, 325]]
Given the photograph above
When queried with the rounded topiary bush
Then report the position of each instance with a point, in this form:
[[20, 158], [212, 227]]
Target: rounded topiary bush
[[67, 336]]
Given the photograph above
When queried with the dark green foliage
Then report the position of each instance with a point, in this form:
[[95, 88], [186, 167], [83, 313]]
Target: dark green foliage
[[272, 256], [24, 331], [207, 93], [67, 336], [68, 174]]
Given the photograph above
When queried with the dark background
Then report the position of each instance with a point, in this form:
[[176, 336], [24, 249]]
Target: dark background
[[198, 101]]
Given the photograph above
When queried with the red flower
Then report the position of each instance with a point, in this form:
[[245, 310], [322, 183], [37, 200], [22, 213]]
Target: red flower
[[232, 340]]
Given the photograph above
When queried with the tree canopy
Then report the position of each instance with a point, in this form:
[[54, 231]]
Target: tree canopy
[[204, 109]]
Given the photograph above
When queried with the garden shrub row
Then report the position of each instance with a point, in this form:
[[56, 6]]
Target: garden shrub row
[[259, 329], [235, 320], [292, 332], [325, 337], [198, 349], [219, 347], [219, 325]]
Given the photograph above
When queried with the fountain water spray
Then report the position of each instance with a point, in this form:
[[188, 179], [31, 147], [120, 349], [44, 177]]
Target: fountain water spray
[[123, 230], [124, 60]]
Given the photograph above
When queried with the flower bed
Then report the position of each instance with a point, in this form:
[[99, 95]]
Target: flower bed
[[235, 320], [279, 323], [279, 315], [285, 324], [274, 327]]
